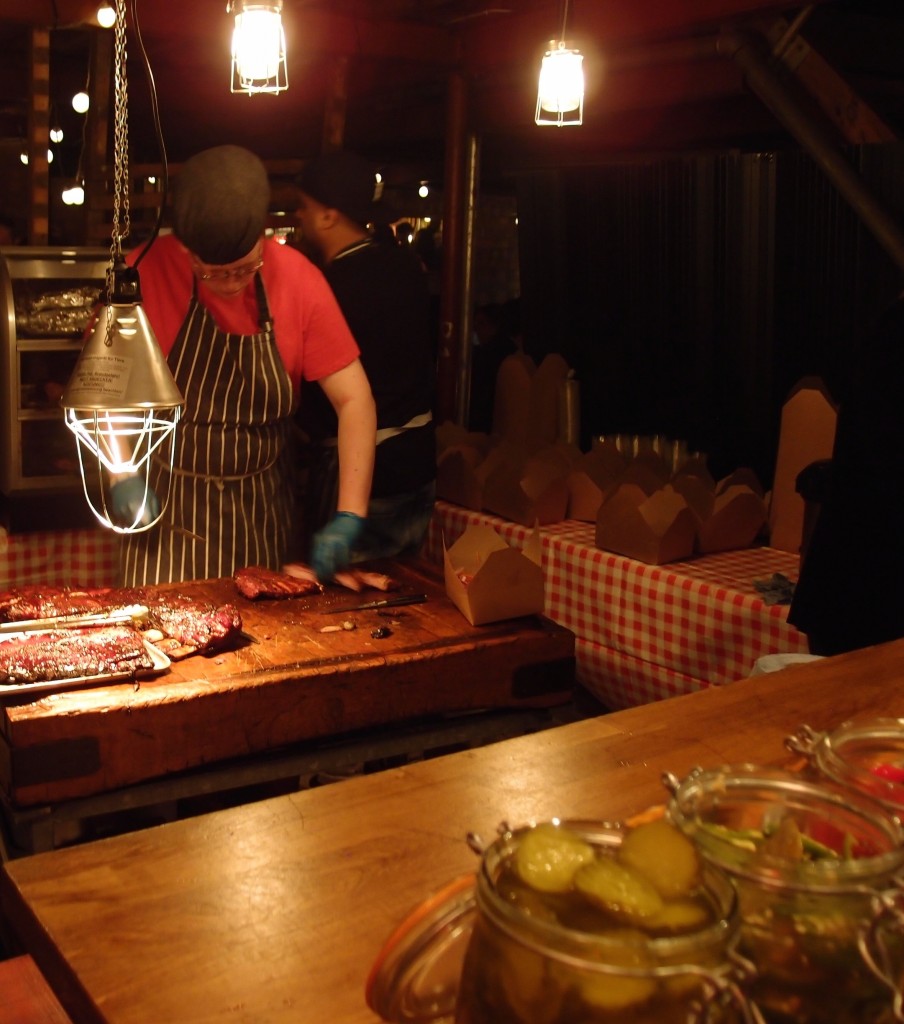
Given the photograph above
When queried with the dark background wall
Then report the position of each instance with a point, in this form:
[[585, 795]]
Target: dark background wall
[[690, 294]]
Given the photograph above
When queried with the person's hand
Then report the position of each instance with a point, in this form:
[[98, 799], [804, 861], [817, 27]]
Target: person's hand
[[128, 496], [331, 548]]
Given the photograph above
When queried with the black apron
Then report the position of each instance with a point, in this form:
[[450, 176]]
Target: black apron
[[230, 501]]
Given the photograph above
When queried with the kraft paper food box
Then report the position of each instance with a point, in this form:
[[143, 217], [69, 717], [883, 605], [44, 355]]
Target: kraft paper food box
[[488, 579], [458, 478], [729, 515], [531, 491], [655, 528], [591, 479], [806, 434]]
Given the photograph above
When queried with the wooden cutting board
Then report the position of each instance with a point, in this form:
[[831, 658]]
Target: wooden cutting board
[[294, 684]]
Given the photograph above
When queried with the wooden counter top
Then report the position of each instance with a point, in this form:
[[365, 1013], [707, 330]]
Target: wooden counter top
[[296, 684], [273, 912]]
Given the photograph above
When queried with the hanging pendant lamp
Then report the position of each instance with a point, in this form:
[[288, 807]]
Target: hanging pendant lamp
[[560, 93], [121, 402], [258, 48]]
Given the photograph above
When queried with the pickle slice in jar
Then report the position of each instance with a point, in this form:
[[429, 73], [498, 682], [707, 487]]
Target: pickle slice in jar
[[548, 856], [619, 890], [611, 990], [678, 916], [664, 856]]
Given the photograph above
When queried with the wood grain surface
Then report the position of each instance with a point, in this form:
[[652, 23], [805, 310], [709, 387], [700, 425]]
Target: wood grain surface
[[275, 911], [295, 684]]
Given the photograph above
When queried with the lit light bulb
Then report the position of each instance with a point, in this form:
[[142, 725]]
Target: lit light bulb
[[561, 88], [80, 102], [56, 134], [23, 158], [423, 191], [50, 156], [257, 44], [74, 195], [106, 16]]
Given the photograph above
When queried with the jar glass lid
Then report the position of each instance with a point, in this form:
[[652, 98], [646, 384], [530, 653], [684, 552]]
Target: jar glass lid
[[415, 977]]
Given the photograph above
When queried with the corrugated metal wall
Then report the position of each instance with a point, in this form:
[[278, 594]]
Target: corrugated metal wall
[[690, 294]]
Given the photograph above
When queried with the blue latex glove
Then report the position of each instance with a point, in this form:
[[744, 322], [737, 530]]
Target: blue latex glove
[[331, 548], [127, 496]]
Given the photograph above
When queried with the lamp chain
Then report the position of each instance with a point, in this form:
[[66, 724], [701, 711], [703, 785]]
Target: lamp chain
[[121, 226]]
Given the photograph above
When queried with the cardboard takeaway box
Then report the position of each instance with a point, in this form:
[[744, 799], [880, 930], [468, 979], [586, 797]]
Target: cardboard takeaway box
[[488, 580], [654, 528], [690, 514]]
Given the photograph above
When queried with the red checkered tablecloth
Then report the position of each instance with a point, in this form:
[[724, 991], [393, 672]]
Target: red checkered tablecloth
[[647, 632], [86, 558]]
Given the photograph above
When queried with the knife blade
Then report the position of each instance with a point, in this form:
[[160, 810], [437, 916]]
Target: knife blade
[[386, 602]]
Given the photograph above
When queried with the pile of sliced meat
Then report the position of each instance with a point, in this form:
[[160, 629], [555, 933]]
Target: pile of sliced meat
[[297, 579], [256, 581], [72, 654]]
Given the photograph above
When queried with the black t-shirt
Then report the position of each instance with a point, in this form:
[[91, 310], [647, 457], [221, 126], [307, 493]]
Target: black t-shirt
[[851, 588], [383, 293]]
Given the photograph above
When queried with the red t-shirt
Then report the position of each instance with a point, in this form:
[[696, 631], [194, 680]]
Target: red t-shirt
[[311, 333]]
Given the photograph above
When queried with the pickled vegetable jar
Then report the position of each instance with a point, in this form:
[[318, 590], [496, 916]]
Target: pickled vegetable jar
[[575, 923], [867, 756], [814, 868]]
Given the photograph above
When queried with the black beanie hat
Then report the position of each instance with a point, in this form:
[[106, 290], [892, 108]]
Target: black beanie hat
[[345, 182], [220, 202]]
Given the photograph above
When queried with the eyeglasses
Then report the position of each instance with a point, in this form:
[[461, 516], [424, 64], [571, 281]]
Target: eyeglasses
[[237, 273]]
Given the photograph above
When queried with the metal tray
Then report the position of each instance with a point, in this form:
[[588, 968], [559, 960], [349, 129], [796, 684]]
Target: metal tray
[[160, 664]]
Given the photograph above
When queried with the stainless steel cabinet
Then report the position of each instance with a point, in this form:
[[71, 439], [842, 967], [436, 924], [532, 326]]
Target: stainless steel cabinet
[[48, 297]]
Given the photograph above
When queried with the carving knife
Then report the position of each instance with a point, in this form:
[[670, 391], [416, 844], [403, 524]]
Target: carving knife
[[386, 602]]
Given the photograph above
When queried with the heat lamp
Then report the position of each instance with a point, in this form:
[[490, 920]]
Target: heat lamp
[[121, 402]]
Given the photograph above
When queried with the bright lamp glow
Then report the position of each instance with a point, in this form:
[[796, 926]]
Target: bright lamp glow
[[258, 48], [123, 406], [560, 96], [80, 102], [74, 195], [56, 134], [106, 16]]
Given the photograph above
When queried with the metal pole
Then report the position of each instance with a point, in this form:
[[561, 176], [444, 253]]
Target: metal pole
[[450, 339], [760, 75], [466, 307]]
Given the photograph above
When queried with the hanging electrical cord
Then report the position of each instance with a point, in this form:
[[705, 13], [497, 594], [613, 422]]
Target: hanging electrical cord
[[158, 132]]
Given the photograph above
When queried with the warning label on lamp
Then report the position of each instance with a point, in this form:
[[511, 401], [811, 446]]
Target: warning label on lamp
[[99, 379]]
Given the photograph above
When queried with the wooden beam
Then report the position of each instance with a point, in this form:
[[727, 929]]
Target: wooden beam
[[336, 105], [39, 138], [598, 28], [850, 114]]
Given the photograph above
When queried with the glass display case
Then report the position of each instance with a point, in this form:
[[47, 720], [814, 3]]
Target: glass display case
[[49, 296]]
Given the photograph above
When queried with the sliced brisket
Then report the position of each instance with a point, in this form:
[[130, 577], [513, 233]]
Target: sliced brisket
[[254, 581]]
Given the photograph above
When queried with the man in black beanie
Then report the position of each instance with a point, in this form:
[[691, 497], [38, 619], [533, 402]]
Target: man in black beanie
[[384, 294], [242, 320]]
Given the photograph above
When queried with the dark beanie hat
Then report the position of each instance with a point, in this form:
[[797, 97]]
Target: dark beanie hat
[[220, 202], [342, 181]]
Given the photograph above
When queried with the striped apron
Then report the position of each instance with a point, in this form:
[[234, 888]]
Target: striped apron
[[230, 500]]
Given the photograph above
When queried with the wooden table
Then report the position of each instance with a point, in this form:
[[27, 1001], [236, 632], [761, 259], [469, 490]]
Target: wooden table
[[647, 632], [273, 912], [297, 685]]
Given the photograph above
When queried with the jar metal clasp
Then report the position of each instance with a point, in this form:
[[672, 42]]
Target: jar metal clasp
[[888, 917], [723, 989], [804, 741]]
